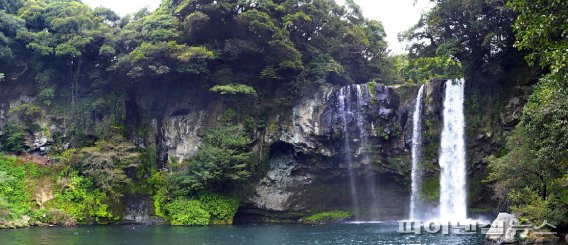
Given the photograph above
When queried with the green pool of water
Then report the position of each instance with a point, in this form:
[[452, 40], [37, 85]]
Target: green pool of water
[[245, 234]]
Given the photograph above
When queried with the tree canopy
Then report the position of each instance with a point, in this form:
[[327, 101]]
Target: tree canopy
[[281, 49], [476, 33]]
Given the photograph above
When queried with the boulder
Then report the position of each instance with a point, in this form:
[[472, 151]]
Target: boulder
[[502, 230]]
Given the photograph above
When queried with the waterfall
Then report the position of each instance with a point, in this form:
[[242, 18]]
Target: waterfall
[[345, 110], [453, 204], [363, 90], [353, 100], [416, 150]]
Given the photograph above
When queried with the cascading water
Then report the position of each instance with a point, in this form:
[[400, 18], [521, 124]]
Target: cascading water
[[352, 101], [416, 151], [362, 91], [453, 194], [345, 110]]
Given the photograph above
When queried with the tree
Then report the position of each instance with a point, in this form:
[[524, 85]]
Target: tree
[[222, 163], [108, 163], [477, 33], [10, 26], [541, 29], [13, 136], [152, 48], [536, 162], [11, 6]]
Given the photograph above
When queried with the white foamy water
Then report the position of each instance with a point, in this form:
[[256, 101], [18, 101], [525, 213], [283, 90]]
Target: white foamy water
[[416, 147], [453, 196]]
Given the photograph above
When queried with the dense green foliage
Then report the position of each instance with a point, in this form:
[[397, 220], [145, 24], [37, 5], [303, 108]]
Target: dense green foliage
[[206, 209], [532, 176], [30, 193], [422, 69], [83, 202], [107, 163], [541, 28], [477, 33], [13, 190], [72, 50], [11, 140], [187, 212], [223, 161]]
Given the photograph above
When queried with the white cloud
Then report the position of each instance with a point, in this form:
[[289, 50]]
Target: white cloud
[[396, 15]]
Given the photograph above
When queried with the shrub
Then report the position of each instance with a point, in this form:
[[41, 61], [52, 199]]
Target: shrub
[[187, 212], [234, 89], [107, 163], [222, 163], [222, 209], [14, 196], [13, 138], [27, 111], [83, 202], [18, 181]]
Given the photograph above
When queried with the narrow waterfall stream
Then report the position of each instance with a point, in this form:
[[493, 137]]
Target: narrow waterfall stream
[[453, 194], [416, 153], [362, 91], [345, 108], [352, 101]]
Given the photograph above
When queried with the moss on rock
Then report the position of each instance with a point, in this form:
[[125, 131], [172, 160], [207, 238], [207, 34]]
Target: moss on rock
[[326, 217]]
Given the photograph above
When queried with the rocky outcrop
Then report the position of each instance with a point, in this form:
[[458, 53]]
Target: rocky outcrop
[[180, 132], [275, 191], [506, 229], [303, 146], [36, 125], [502, 229], [307, 167], [140, 210]]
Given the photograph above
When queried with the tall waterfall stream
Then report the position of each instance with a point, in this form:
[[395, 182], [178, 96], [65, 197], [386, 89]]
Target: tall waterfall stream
[[453, 196]]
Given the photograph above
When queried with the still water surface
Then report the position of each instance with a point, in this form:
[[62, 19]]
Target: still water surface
[[384, 233]]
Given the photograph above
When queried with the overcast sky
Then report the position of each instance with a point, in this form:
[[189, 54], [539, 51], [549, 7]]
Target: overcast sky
[[396, 15]]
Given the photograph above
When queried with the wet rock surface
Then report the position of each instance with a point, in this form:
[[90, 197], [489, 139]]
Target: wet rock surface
[[307, 165], [140, 210]]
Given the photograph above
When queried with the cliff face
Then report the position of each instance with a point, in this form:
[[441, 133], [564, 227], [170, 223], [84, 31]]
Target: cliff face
[[308, 165], [305, 147]]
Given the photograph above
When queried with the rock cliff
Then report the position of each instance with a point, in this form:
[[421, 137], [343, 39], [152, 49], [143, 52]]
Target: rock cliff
[[303, 147]]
